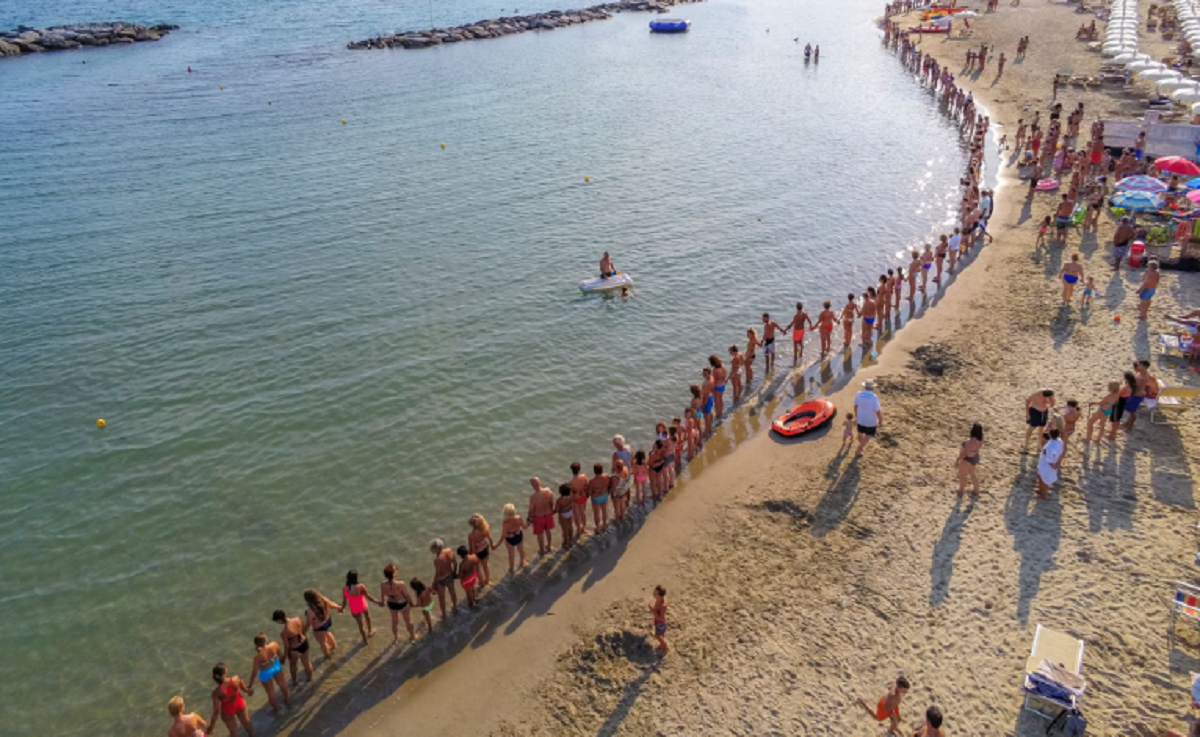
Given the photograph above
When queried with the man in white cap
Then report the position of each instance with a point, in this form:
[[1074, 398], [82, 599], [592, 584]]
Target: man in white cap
[[868, 413]]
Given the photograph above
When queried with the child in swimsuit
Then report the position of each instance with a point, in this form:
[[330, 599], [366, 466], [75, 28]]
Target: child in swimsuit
[[658, 608], [888, 708], [849, 312], [1088, 290], [468, 572], [848, 429], [641, 474], [424, 601]]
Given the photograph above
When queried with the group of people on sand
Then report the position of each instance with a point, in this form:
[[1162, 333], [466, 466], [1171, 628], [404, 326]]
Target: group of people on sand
[[1137, 391]]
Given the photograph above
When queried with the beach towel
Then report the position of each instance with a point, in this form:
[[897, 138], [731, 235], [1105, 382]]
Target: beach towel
[[1073, 683]]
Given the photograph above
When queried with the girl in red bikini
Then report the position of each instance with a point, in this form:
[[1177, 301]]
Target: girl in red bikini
[[825, 322], [356, 595]]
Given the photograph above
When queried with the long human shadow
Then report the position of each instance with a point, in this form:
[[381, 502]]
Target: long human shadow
[[1114, 293], [941, 569], [1035, 526], [1062, 327], [1106, 485], [837, 501], [631, 692]]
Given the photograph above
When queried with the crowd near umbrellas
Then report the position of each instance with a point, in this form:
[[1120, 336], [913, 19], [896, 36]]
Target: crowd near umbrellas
[[1177, 165], [1141, 184], [1137, 201]]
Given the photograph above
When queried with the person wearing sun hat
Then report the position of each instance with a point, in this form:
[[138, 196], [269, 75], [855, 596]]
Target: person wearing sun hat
[[869, 414]]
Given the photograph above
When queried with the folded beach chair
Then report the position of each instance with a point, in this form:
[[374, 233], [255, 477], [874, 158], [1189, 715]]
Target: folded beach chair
[[1186, 604], [1052, 673], [1173, 399], [1173, 346]]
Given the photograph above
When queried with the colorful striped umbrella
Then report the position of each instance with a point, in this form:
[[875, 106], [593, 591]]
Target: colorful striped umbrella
[[1177, 165], [1137, 201], [1141, 183]]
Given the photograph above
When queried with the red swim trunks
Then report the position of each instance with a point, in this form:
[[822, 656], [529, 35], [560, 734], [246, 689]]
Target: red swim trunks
[[545, 523], [1096, 158], [881, 712], [797, 336]]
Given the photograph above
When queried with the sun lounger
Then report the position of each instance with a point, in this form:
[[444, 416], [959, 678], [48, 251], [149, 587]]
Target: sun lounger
[[1173, 346], [1172, 399], [1186, 604], [1043, 693]]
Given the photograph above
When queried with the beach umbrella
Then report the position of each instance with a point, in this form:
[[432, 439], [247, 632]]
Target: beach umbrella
[[1177, 165], [1137, 201], [1131, 56], [1196, 108], [1141, 66], [1170, 85], [1158, 75], [1141, 183], [1194, 195], [1192, 184]]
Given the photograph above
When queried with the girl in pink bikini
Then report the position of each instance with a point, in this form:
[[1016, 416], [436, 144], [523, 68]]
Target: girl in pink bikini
[[356, 595], [849, 312]]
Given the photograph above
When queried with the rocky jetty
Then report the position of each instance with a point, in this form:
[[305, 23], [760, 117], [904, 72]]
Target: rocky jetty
[[547, 21], [26, 40]]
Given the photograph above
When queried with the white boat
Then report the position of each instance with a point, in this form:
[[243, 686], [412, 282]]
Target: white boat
[[616, 281]]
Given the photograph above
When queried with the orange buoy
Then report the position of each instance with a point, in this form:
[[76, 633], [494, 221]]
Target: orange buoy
[[805, 417]]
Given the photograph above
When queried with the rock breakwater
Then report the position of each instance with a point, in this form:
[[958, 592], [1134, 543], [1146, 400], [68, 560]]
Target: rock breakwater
[[508, 26], [28, 40]]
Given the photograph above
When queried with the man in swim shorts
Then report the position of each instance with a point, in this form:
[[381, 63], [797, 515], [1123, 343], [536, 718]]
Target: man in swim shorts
[[869, 413], [445, 569], [1062, 216], [541, 515], [606, 267], [768, 344], [800, 322], [1122, 237], [1037, 412], [888, 707]]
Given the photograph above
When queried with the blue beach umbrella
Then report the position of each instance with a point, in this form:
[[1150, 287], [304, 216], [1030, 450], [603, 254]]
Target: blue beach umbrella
[[1141, 183], [1137, 201], [1192, 184]]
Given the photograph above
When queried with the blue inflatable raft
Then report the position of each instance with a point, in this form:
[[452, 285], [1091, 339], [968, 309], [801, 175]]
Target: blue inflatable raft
[[669, 26]]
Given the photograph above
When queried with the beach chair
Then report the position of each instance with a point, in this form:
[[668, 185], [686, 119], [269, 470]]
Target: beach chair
[[1062, 650], [1186, 604], [1172, 346], [1173, 399]]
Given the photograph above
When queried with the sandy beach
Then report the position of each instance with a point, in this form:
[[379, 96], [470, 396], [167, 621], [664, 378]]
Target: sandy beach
[[800, 579]]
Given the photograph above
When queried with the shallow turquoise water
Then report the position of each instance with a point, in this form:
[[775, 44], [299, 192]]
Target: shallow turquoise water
[[319, 345]]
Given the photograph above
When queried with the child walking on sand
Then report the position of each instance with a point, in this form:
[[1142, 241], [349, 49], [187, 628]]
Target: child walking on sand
[[1089, 289], [888, 708], [1043, 229], [848, 429], [658, 608]]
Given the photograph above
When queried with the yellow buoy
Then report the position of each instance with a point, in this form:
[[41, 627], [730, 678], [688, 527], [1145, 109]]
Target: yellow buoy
[[221, 86], [100, 423], [443, 145], [587, 179], [343, 121]]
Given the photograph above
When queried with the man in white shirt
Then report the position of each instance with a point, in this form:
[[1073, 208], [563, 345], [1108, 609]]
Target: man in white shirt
[[1052, 453], [868, 414]]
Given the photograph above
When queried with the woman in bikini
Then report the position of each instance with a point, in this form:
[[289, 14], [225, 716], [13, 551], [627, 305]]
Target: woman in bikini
[[395, 596], [320, 621], [849, 312], [641, 475], [752, 344], [228, 702], [1071, 273], [480, 542], [657, 462], [718, 376], [424, 597], [1128, 389], [356, 595], [514, 537], [599, 488], [618, 485], [674, 453], [295, 644], [269, 667], [697, 404], [884, 302], [968, 459], [1104, 410], [897, 288], [736, 359], [943, 248], [1070, 416], [186, 725], [565, 507]]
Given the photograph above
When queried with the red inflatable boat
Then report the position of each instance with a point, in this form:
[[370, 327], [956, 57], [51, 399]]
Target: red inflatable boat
[[804, 418]]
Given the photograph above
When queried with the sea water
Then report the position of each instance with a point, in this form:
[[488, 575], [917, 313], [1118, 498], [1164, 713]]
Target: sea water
[[319, 344]]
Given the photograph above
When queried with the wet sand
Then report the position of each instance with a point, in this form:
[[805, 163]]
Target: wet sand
[[800, 579]]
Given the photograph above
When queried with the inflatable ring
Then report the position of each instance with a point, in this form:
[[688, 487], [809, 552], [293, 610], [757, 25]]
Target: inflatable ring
[[804, 418], [1047, 185]]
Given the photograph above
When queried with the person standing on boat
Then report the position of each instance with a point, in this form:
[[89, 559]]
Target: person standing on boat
[[606, 266]]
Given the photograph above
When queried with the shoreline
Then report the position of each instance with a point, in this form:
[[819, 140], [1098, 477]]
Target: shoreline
[[756, 620], [559, 589]]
